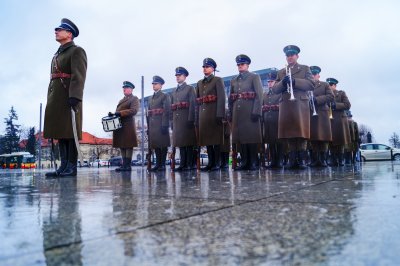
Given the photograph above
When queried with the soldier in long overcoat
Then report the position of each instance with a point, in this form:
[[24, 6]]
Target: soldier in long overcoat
[[245, 101], [125, 137], [270, 119], [65, 91], [351, 148], [320, 132], [158, 123], [339, 123], [210, 93], [294, 115], [183, 106]]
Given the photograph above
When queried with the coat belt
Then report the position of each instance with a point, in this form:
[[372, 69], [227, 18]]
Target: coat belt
[[159, 111], [206, 99], [179, 105], [274, 107], [60, 75], [249, 95]]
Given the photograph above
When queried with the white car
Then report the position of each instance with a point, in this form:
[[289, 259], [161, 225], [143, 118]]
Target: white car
[[375, 151], [100, 163]]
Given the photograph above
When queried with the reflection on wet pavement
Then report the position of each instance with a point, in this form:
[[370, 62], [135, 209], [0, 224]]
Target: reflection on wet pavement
[[345, 216]]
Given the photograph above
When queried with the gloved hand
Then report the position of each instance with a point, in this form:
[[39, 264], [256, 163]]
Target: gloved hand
[[110, 114], [255, 118], [118, 114], [218, 120], [190, 124], [73, 102], [333, 105], [285, 81], [164, 130]]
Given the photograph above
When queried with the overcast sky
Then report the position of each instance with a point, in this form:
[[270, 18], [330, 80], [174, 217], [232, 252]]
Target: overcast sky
[[357, 42]]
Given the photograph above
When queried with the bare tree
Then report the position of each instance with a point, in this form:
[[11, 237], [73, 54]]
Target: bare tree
[[395, 140], [363, 131]]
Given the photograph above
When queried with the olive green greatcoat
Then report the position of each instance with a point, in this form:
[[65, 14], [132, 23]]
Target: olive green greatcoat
[[270, 117], [321, 124], [125, 137], [210, 131], [244, 129], [183, 132], [159, 100], [339, 123], [69, 59], [294, 116]]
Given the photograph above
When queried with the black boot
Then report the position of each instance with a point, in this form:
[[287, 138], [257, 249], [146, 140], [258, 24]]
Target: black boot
[[71, 168], [292, 162], [244, 158], [301, 158], [224, 160], [121, 168], [279, 156], [340, 159], [157, 151], [127, 165], [315, 160], [211, 159], [183, 155], [62, 146], [322, 158], [190, 159], [163, 152], [217, 158], [252, 148]]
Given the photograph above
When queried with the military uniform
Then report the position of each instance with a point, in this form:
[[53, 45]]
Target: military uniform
[[270, 120], [320, 131], [210, 93], [158, 119], [68, 75], [226, 144], [183, 100], [125, 137], [294, 116], [339, 124], [351, 148], [245, 101]]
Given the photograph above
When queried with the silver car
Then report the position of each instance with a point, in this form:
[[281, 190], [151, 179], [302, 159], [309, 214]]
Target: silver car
[[375, 151]]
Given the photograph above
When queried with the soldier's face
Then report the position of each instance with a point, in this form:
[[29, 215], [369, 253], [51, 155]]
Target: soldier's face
[[292, 59], [127, 91], [316, 76], [271, 83], [332, 86], [63, 36], [243, 67], [180, 78], [157, 86], [207, 70]]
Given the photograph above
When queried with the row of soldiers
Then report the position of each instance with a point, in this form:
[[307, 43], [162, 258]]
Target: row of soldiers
[[297, 113]]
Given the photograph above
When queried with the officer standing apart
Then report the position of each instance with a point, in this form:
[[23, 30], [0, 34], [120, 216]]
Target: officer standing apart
[[320, 133], [339, 123], [270, 111], [210, 95], [158, 117], [245, 103], [294, 115], [183, 107], [65, 91], [125, 137]]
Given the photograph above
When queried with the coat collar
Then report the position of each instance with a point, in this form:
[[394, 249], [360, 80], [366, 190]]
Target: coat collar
[[126, 98], [295, 68], [64, 47]]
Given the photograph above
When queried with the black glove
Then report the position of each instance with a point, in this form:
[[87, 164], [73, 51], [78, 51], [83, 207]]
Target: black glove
[[255, 118], [110, 114], [118, 114], [190, 124], [218, 120], [286, 81], [164, 130], [333, 105], [73, 102]]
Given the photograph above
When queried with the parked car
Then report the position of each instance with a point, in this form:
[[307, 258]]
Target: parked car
[[84, 164], [375, 151], [136, 163], [100, 163], [115, 161]]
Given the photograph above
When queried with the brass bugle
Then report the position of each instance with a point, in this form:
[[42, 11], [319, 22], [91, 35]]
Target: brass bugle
[[313, 103], [290, 85], [330, 111]]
